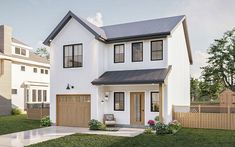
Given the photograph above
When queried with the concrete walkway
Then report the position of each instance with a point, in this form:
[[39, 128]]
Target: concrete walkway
[[25, 138]]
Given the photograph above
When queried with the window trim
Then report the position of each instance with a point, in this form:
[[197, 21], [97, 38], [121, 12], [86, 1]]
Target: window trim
[[142, 44], [123, 101], [115, 54], [151, 51], [151, 102], [72, 55]]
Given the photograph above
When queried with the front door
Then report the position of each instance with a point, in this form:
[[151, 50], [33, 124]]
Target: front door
[[137, 108]]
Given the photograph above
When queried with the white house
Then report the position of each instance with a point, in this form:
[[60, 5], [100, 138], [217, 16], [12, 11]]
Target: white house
[[24, 76], [135, 71]]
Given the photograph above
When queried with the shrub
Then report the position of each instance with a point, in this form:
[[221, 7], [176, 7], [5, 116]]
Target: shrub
[[96, 125], [45, 121], [157, 119], [175, 126], [15, 111], [148, 130], [162, 128]]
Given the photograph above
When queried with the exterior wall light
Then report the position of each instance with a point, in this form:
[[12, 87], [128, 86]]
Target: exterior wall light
[[69, 87]]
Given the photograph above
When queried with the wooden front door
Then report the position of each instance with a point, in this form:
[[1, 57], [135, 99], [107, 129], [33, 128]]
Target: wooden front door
[[73, 110], [137, 108]]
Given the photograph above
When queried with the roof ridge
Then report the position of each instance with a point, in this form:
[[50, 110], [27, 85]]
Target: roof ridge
[[183, 16]]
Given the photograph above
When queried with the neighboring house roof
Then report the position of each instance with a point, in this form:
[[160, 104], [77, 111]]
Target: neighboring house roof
[[147, 29], [144, 76], [14, 40], [33, 57]]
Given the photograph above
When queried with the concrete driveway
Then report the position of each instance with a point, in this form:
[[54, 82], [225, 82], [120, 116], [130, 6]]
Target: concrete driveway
[[25, 138]]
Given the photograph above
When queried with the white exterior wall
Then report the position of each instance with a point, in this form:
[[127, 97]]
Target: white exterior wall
[[179, 77], [18, 79], [81, 77]]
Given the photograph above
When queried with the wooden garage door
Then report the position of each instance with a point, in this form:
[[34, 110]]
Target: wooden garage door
[[73, 110]]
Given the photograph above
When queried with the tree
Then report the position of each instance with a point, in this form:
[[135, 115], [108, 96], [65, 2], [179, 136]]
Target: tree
[[42, 52], [221, 63], [195, 91]]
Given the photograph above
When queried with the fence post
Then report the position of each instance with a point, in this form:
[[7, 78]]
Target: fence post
[[229, 118], [199, 114]]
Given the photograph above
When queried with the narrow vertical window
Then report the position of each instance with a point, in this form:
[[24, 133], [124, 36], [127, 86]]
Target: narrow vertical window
[[77, 49], [46, 71], [39, 95], [119, 101], [119, 55], [137, 52], [34, 98], [154, 102], [44, 95], [42, 71], [156, 50], [35, 70]]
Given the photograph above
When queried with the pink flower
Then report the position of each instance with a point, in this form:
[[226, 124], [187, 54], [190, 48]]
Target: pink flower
[[151, 122]]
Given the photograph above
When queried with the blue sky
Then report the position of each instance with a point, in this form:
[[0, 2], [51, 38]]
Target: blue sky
[[33, 20]]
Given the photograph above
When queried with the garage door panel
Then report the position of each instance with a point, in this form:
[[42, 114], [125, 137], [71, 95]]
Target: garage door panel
[[73, 110]]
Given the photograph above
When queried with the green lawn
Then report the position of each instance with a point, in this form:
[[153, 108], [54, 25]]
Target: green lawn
[[16, 123], [185, 137]]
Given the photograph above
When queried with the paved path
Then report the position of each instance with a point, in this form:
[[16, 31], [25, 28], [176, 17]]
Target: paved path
[[24, 138]]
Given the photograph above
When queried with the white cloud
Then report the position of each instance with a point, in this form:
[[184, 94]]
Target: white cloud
[[199, 60], [96, 20]]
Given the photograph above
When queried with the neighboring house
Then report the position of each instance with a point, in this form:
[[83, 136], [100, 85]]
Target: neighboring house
[[227, 98], [24, 76], [135, 71]]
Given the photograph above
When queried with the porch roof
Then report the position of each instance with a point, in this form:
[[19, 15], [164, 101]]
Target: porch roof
[[144, 76]]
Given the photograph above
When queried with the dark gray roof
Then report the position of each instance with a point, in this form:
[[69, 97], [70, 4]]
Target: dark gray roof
[[145, 76], [147, 29], [162, 26]]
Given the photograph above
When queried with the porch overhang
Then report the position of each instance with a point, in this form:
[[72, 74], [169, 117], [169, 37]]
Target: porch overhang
[[144, 76]]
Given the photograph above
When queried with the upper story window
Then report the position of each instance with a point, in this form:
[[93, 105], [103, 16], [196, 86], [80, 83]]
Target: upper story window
[[13, 91], [22, 68], [156, 50], [35, 70], [73, 56], [119, 55], [20, 51], [46, 71], [42, 71], [137, 52]]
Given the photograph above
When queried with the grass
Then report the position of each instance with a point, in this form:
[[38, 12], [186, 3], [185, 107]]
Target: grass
[[17, 123], [185, 137]]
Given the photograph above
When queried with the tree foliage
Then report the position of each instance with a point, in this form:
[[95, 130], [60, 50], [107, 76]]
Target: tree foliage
[[221, 63], [42, 52]]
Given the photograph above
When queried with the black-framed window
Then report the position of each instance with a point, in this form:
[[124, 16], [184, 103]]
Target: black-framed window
[[154, 101], [42, 71], [119, 53], [22, 68], [35, 70], [13, 91], [73, 56], [156, 50], [119, 101], [137, 52]]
